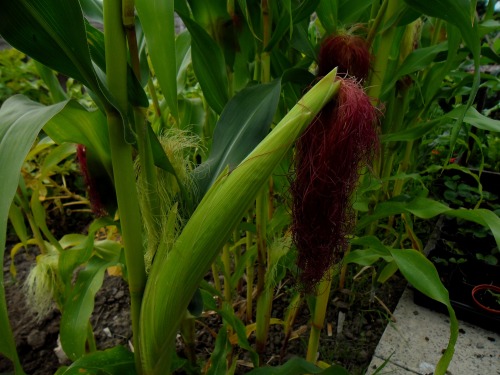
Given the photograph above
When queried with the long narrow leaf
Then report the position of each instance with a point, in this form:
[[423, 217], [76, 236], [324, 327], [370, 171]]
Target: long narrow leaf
[[20, 122], [426, 208], [159, 28], [211, 73], [243, 124], [80, 304], [460, 13], [52, 32], [115, 361], [422, 274]]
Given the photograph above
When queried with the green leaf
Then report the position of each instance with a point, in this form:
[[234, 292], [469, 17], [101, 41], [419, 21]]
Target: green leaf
[[75, 124], [460, 13], [227, 312], [299, 366], [20, 122], [159, 28], [411, 134], [353, 11], [52, 32], [242, 125], [416, 61], [92, 9], [457, 12], [327, 13], [476, 119], [79, 306], [183, 59], [80, 251], [49, 78], [365, 257], [422, 274], [287, 20], [389, 270], [114, 361], [136, 94], [209, 65], [221, 350], [56, 155], [18, 222], [426, 208]]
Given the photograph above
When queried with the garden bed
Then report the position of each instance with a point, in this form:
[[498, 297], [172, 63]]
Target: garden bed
[[365, 321]]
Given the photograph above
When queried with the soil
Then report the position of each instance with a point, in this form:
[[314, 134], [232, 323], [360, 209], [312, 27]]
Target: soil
[[353, 347], [36, 340]]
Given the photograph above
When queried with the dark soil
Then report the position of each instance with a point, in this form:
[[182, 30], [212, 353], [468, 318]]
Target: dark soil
[[353, 347], [36, 340]]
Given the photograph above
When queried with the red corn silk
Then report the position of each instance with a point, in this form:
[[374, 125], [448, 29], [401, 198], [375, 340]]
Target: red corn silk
[[328, 159], [349, 53], [95, 199]]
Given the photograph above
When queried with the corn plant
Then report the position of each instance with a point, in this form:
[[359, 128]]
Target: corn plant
[[236, 78]]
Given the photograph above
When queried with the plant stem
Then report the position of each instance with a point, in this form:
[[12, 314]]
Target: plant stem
[[123, 171], [91, 339], [250, 276], [226, 261], [266, 37], [261, 213], [215, 275], [262, 320], [318, 318], [378, 12], [189, 336], [383, 52]]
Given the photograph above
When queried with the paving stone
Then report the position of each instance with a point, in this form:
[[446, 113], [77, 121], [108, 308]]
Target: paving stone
[[415, 342]]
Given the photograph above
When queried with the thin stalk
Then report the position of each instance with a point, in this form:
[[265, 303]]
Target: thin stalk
[[154, 98], [383, 52], [290, 316], [128, 19], [123, 170], [261, 213], [37, 235], [378, 12], [266, 37], [262, 320], [215, 275], [91, 345], [230, 7], [236, 257], [318, 318], [25, 207], [189, 336], [57, 93], [250, 276], [343, 270], [148, 177], [226, 261], [436, 35]]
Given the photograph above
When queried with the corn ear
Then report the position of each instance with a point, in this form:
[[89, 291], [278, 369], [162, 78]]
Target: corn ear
[[175, 277]]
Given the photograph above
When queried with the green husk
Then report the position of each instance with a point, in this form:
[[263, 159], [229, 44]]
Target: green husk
[[174, 278]]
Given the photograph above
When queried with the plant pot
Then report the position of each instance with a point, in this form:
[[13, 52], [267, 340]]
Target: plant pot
[[484, 299]]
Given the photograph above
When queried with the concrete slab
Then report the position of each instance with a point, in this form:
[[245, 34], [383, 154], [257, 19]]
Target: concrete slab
[[415, 342]]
